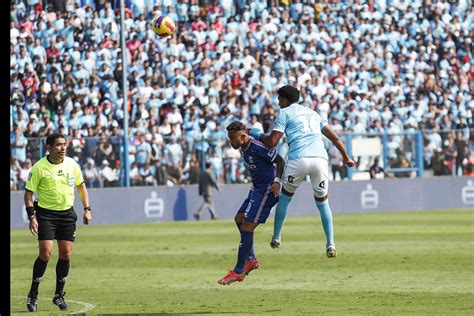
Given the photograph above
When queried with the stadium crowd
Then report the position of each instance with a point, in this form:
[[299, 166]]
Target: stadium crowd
[[376, 66]]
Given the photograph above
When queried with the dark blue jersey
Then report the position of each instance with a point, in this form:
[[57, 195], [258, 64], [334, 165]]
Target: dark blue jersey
[[259, 162]]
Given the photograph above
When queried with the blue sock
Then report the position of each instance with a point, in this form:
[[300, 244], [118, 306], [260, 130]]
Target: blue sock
[[251, 254], [326, 220], [252, 251], [246, 244], [280, 214]]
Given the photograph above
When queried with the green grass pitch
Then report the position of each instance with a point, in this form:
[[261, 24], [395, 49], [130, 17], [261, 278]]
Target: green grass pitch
[[411, 263]]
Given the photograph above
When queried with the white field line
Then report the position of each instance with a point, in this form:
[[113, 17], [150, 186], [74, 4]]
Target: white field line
[[87, 306]]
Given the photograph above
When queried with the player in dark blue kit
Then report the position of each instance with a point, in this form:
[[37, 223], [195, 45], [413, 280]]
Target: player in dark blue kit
[[260, 162]]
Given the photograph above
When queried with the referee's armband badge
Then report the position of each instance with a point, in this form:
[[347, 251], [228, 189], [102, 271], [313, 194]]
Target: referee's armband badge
[[29, 176], [71, 181]]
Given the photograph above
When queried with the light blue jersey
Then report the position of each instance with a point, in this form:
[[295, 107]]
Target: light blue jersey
[[302, 127]]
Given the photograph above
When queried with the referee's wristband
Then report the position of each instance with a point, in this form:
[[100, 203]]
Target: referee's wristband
[[30, 211], [277, 179], [87, 208]]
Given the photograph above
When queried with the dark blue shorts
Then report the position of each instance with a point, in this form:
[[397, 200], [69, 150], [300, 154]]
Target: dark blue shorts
[[258, 204]]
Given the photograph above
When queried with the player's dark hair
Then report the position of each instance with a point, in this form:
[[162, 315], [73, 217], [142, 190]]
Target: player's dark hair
[[52, 138], [236, 126], [290, 93]]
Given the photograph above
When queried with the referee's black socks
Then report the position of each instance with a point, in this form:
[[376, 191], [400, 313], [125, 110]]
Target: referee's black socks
[[62, 270], [38, 270]]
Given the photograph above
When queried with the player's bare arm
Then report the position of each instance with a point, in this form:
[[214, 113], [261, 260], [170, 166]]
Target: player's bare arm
[[271, 140], [84, 196], [334, 138], [280, 166], [28, 198]]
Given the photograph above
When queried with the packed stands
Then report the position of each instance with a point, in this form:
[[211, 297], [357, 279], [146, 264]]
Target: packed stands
[[381, 67]]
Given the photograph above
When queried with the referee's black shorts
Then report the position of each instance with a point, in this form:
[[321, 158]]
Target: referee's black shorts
[[59, 225]]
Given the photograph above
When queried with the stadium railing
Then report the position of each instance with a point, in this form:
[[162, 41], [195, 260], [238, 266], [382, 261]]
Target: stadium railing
[[406, 154]]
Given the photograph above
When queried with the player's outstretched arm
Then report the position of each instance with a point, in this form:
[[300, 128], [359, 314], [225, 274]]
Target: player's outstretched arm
[[334, 138], [271, 141]]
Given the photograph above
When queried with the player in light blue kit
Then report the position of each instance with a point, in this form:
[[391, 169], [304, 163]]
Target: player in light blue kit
[[306, 156], [260, 162]]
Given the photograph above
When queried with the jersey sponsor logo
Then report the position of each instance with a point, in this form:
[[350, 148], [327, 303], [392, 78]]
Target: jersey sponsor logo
[[249, 166], [291, 179]]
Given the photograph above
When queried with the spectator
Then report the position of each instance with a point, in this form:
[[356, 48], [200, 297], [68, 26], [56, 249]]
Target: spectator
[[401, 162], [216, 139], [337, 163], [173, 152], [104, 149], [146, 174], [143, 151], [254, 123], [18, 144], [135, 177], [165, 128], [193, 172], [159, 172], [201, 145], [231, 157], [216, 166], [439, 163], [24, 173], [378, 172], [14, 172], [91, 175], [76, 147], [468, 163], [108, 176], [450, 152], [175, 173], [460, 145]]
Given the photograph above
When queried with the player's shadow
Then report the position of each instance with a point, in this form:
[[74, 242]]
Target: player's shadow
[[180, 210]]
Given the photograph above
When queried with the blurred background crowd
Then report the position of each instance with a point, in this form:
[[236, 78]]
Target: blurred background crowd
[[383, 67]]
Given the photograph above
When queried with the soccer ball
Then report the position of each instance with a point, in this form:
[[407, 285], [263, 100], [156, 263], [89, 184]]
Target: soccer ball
[[163, 26]]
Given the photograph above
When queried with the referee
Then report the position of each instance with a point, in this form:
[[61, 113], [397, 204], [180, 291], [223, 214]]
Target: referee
[[53, 217]]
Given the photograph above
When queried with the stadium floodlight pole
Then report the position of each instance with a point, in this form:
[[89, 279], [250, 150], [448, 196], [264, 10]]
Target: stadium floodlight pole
[[125, 166]]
